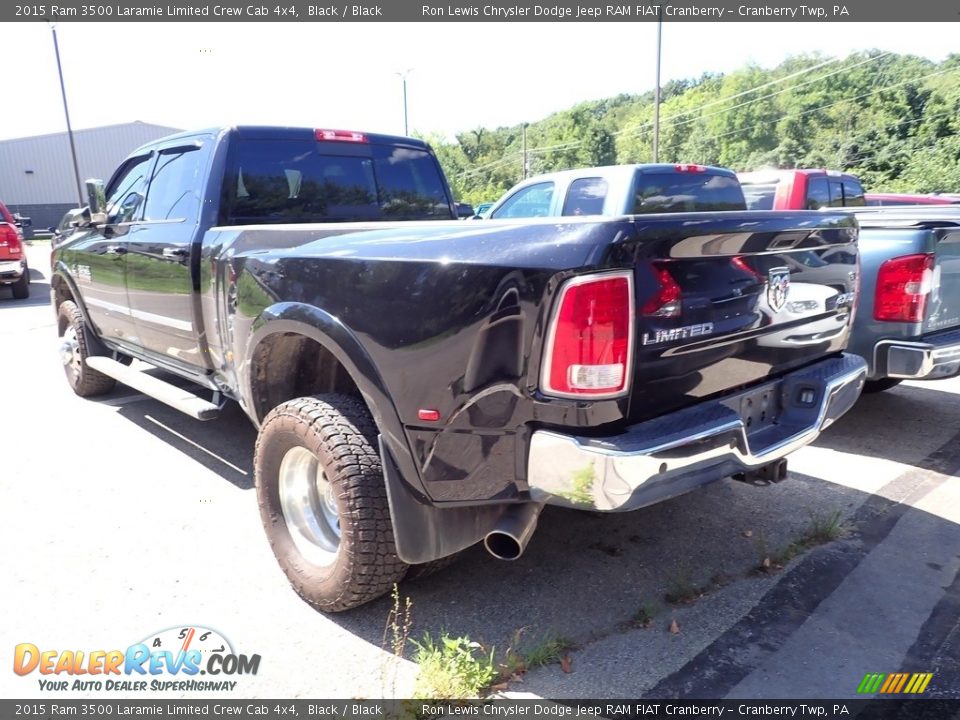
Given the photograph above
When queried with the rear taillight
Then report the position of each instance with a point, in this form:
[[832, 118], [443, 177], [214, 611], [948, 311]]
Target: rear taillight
[[10, 239], [686, 167], [340, 136], [903, 285], [590, 343], [667, 300]]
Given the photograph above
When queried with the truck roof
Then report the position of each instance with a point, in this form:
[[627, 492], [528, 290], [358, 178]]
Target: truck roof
[[275, 132], [614, 170], [774, 175]]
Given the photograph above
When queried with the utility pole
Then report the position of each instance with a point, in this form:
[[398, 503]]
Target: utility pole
[[525, 151], [656, 96], [403, 75], [66, 112]]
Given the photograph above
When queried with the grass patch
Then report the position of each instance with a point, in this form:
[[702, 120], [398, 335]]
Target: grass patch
[[522, 656], [452, 668], [820, 530], [643, 617], [681, 588]]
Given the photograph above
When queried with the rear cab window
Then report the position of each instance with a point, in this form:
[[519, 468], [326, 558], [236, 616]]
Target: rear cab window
[[306, 180], [667, 192], [818, 193]]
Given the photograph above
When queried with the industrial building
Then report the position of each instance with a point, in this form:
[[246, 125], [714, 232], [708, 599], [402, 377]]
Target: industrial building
[[36, 173]]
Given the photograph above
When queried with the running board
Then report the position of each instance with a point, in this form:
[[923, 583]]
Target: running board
[[176, 397]]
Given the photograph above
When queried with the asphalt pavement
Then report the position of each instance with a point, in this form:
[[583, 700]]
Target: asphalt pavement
[[121, 518]]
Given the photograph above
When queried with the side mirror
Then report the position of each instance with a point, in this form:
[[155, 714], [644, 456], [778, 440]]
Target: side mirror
[[96, 203]]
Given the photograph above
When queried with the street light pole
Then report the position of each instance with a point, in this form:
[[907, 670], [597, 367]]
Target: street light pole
[[403, 76], [66, 112], [656, 98]]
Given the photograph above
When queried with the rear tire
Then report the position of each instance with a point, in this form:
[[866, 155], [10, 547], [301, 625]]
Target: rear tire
[[875, 386], [21, 288], [323, 501], [85, 381]]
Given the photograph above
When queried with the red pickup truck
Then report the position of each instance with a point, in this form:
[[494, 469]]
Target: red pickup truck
[[800, 189], [13, 259]]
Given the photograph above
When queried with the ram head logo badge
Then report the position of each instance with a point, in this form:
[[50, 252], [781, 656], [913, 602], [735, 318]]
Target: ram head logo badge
[[778, 284]]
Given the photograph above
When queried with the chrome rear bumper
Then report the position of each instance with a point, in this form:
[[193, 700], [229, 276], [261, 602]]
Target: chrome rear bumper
[[930, 358], [667, 456]]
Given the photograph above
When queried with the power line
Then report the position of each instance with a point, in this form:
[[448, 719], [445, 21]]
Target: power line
[[754, 100]]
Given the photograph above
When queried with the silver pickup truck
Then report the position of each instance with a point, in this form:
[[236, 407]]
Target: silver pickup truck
[[908, 319]]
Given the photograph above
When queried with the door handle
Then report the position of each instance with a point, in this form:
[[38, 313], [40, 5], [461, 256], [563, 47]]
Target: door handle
[[115, 250]]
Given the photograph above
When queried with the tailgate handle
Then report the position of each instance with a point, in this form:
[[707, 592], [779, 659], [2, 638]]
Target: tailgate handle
[[115, 250], [175, 252]]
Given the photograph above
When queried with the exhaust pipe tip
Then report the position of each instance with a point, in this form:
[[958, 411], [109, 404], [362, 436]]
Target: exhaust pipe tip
[[513, 530], [503, 546]]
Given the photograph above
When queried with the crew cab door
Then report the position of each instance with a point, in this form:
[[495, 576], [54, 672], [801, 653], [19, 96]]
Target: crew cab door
[[159, 262], [97, 257]]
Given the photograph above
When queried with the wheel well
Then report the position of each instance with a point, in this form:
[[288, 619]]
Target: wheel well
[[61, 292], [287, 365]]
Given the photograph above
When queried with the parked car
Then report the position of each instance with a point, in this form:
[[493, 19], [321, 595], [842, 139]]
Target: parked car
[[811, 189], [894, 199], [482, 209], [13, 257], [908, 319], [615, 190], [420, 388]]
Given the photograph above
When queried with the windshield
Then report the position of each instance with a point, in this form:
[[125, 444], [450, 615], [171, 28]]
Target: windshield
[[759, 197]]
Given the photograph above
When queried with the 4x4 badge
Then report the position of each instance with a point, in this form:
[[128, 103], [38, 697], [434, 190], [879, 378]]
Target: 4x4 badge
[[778, 284]]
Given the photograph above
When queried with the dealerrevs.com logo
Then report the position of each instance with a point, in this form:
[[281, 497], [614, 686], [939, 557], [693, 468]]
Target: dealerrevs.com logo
[[172, 659]]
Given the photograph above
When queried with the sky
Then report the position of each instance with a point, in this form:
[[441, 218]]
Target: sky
[[460, 76]]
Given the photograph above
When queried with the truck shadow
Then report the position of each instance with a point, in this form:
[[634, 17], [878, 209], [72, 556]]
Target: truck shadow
[[39, 295], [586, 577]]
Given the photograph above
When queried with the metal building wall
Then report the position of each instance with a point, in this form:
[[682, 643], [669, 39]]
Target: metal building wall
[[36, 173]]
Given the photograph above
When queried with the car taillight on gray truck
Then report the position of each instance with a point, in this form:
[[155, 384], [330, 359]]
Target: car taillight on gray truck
[[903, 286]]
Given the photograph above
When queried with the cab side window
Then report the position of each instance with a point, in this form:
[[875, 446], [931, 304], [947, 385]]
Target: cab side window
[[853, 194], [175, 187], [126, 193], [585, 197], [531, 201]]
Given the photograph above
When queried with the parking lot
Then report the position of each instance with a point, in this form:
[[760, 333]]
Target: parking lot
[[122, 518]]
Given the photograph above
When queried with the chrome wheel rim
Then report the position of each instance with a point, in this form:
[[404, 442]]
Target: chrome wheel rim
[[309, 506], [70, 350]]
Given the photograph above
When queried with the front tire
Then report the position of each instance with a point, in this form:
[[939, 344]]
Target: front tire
[[85, 381], [323, 501]]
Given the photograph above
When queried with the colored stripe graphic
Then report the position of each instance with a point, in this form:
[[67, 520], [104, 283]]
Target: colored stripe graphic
[[894, 683]]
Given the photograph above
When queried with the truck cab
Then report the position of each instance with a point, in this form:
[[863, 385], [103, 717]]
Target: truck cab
[[810, 189], [622, 190]]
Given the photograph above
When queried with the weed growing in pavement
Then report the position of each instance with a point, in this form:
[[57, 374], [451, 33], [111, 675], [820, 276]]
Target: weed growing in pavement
[[452, 668], [643, 617], [681, 588], [820, 530], [396, 634]]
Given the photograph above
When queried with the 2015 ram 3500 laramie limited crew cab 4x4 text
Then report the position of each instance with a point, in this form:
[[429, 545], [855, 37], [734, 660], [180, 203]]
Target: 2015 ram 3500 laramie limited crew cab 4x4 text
[[422, 384]]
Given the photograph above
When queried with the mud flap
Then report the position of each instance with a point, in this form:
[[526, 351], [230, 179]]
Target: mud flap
[[424, 532]]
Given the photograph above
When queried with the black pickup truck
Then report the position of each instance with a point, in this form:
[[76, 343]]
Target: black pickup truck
[[422, 384]]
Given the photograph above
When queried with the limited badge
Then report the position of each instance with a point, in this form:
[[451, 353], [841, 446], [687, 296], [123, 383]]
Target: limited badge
[[778, 284]]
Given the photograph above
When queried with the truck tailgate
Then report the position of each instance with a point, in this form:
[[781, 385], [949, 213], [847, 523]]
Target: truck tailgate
[[733, 298], [943, 309]]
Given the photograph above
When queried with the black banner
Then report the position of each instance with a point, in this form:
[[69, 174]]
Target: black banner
[[497, 708], [471, 11]]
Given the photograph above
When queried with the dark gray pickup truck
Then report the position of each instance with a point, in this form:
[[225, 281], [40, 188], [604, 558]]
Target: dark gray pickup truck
[[422, 384]]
